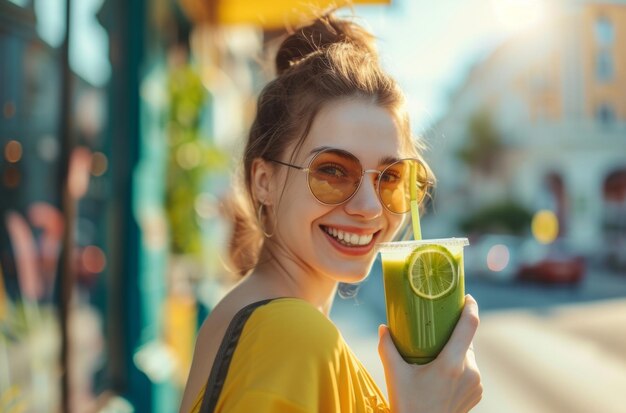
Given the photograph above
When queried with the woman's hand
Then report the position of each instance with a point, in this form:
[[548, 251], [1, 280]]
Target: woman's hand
[[449, 384]]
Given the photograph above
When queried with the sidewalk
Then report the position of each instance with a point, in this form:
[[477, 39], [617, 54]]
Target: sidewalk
[[571, 360]]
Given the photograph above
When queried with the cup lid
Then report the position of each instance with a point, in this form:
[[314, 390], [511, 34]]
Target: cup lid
[[400, 245]]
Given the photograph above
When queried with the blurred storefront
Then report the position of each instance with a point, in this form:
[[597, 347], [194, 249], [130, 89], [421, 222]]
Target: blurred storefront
[[27, 201], [53, 140], [116, 152], [141, 134]]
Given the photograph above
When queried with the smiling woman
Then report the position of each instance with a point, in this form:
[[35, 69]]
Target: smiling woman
[[325, 177]]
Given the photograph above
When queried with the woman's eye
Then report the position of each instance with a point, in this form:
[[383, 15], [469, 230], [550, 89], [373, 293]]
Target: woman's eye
[[331, 170], [389, 177]]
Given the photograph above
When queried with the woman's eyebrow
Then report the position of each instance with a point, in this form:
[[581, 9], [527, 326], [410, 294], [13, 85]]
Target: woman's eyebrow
[[387, 160], [319, 149]]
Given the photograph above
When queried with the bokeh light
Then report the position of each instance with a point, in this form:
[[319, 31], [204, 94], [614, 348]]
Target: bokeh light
[[206, 205], [11, 177], [93, 259], [545, 226], [498, 257], [99, 164], [48, 148], [80, 165], [13, 151], [188, 156], [9, 110], [155, 230], [518, 15]]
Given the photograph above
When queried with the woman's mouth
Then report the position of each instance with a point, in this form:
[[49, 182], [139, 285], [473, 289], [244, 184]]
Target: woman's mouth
[[352, 242]]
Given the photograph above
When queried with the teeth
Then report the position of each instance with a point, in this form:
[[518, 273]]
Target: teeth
[[364, 239], [347, 238]]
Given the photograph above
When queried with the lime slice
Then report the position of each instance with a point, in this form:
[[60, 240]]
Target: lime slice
[[431, 271]]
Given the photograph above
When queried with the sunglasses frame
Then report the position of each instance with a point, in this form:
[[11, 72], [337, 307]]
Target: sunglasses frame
[[307, 169]]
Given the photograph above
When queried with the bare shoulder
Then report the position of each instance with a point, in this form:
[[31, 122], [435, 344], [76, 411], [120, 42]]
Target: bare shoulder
[[214, 326]]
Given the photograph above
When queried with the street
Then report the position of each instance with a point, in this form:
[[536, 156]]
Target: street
[[541, 349], [571, 359]]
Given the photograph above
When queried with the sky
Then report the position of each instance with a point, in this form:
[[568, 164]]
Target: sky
[[430, 46], [427, 45]]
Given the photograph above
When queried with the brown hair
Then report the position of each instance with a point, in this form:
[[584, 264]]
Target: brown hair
[[329, 59]]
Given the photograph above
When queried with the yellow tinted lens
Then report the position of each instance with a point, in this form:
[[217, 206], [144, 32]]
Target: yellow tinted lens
[[394, 185], [334, 176]]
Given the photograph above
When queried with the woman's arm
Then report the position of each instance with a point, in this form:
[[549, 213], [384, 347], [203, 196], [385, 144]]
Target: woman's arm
[[449, 384]]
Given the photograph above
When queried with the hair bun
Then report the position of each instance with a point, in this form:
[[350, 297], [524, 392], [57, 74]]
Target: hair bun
[[319, 35]]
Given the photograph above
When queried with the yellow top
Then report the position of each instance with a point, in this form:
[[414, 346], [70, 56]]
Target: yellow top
[[290, 358]]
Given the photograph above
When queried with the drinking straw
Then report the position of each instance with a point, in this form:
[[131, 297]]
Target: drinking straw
[[415, 216]]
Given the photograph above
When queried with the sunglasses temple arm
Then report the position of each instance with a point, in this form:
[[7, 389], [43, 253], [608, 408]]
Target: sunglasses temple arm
[[290, 165]]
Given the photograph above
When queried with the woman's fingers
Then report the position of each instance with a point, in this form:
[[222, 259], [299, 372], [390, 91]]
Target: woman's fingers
[[397, 372], [473, 398], [463, 334], [386, 349]]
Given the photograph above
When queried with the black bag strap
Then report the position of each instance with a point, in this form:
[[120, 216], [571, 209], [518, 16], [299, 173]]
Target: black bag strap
[[217, 377]]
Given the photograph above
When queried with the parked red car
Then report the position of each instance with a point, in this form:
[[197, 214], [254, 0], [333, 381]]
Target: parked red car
[[556, 263]]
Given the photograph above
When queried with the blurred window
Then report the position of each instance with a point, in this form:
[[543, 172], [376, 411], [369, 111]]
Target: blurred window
[[604, 32], [21, 3], [605, 114], [51, 21], [604, 66]]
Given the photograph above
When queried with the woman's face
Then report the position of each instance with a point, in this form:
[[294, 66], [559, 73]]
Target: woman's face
[[309, 230]]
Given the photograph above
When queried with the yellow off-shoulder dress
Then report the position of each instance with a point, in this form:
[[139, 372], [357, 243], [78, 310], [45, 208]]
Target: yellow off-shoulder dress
[[284, 356]]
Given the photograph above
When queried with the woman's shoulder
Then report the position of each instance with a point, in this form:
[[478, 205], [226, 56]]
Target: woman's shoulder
[[292, 322], [290, 310], [273, 322]]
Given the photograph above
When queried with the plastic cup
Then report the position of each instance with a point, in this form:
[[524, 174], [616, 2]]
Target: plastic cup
[[424, 294]]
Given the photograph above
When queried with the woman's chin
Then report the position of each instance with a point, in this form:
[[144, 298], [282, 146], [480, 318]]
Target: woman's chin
[[351, 278], [349, 272]]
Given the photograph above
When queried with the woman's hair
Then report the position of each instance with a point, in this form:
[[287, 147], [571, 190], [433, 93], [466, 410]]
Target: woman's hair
[[329, 59]]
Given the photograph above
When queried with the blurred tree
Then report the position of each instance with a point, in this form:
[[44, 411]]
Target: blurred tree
[[191, 157], [484, 144], [504, 217]]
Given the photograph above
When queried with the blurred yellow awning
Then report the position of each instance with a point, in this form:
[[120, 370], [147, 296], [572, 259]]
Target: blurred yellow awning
[[270, 14]]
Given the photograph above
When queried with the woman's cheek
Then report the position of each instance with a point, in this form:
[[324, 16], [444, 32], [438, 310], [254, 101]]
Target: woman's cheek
[[395, 224]]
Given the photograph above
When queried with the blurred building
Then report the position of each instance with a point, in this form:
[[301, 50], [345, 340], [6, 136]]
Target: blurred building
[[541, 121]]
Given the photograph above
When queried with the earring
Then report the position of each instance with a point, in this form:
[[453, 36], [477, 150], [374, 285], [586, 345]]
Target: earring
[[260, 218]]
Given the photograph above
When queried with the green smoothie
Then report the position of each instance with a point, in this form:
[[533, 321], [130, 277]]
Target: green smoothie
[[424, 293]]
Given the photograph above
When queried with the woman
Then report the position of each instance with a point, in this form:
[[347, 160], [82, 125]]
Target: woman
[[321, 166]]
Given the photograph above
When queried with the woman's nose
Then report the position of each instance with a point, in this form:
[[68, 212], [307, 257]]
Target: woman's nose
[[365, 202]]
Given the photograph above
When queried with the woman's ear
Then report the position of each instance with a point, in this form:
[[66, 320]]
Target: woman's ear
[[262, 179]]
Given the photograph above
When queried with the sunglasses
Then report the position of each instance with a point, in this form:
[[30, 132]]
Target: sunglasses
[[335, 175]]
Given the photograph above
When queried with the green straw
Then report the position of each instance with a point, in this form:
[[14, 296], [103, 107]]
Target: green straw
[[415, 215]]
